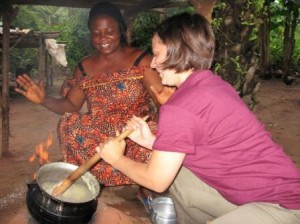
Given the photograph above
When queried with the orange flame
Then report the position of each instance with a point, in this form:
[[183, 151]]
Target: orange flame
[[34, 176], [32, 158], [41, 153]]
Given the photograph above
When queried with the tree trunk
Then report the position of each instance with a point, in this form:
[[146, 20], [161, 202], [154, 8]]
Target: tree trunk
[[289, 35], [264, 42], [235, 54]]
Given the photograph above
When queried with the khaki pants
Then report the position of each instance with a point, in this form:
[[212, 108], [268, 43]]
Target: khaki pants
[[197, 203]]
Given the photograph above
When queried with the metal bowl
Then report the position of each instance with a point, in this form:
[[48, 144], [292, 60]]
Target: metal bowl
[[162, 211]]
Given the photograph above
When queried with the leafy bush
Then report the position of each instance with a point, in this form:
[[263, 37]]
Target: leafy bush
[[143, 28], [145, 24]]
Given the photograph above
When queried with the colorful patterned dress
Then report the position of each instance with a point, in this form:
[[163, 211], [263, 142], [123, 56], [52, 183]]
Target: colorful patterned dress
[[112, 99]]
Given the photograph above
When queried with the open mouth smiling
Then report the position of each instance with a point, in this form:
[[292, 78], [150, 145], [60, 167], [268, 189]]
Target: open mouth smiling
[[104, 45]]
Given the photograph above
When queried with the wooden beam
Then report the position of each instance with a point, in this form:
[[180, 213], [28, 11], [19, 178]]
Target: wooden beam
[[42, 58], [122, 4], [62, 3], [29, 40]]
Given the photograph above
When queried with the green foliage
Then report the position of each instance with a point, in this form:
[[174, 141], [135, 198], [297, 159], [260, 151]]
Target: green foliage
[[175, 11], [71, 23], [143, 28], [278, 10], [296, 56], [20, 57], [38, 18], [77, 35], [234, 51], [236, 67], [145, 24], [73, 31], [27, 18], [217, 20]]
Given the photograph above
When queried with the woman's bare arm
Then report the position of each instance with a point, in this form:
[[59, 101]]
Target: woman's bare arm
[[36, 93], [156, 175]]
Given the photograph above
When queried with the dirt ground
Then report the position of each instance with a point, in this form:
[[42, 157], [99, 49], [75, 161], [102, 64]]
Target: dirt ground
[[31, 125]]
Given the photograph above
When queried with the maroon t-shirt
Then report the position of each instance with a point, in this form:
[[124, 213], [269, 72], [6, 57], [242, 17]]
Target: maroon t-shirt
[[225, 144]]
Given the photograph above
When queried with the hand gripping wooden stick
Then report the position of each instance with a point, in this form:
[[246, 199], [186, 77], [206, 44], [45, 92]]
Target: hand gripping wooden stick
[[66, 183]]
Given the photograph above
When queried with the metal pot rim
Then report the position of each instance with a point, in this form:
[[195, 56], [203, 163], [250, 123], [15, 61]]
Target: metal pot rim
[[65, 168]]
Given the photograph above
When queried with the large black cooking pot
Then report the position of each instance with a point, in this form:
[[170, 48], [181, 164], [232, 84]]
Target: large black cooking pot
[[75, 206]]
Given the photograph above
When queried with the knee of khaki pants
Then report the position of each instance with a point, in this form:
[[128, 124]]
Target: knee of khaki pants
[[194, 198]]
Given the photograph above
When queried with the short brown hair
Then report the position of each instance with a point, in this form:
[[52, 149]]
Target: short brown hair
[[190, 42]]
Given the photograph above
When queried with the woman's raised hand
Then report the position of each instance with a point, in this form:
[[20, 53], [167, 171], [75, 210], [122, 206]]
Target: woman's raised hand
[[31, 90]]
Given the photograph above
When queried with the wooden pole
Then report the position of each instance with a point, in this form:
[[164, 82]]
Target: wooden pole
[[51, 69], [42, 58], [5, 84], [46, 69]]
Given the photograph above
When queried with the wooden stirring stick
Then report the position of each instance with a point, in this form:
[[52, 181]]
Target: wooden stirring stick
[[66, 183]]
